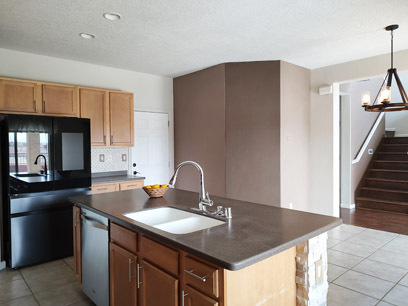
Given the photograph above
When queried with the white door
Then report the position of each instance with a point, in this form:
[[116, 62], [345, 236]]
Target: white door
[[151, 150]]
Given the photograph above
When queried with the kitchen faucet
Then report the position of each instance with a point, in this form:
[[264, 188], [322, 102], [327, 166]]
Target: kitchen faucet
[[45, 162], [204, 199]]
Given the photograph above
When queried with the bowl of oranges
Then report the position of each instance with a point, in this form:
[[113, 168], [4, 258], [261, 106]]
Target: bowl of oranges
[[156, 191]]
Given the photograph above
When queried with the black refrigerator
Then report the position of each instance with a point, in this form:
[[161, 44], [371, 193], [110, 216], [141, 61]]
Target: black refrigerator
[[44, 160]]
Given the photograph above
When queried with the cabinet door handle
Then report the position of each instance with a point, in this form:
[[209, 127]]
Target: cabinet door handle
[[138, 276], [44, 106], [104, 188], [183, 294], [111, 139], [130, 270], [35, 105], [191, 272], [104, 139]]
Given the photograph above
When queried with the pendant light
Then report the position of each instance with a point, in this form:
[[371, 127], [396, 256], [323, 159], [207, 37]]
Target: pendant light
[[382, 102]]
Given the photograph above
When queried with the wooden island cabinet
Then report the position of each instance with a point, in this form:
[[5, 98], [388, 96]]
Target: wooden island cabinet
[[148, 273]]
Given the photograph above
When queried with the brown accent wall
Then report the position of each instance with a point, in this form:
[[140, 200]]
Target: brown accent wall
[[253, 131], [199, 129]]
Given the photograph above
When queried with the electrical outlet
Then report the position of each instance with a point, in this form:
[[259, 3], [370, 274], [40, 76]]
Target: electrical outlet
[[124, 157], [101, 158], [319, 271], [370, 151]]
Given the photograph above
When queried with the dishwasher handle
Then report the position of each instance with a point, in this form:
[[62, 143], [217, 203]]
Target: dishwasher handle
[[94, 223]]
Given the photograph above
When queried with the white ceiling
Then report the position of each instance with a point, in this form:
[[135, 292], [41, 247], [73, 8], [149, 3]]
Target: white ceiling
[[174, 37]]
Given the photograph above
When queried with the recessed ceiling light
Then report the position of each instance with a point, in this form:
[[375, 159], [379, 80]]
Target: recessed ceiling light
[[112, 16], [87, 35]]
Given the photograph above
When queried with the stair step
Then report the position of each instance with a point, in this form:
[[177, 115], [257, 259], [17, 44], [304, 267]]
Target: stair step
[[388, 174], [395, 140], [392, 156], [394, 206], [384, 194], [386, 183], [391, 164], [394, 147]]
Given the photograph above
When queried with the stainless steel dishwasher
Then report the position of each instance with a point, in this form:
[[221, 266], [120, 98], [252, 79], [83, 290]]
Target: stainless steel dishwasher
[[95, 257]]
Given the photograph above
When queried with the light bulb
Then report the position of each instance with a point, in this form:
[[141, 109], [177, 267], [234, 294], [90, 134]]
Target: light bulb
[[365, 98], [385, 96]]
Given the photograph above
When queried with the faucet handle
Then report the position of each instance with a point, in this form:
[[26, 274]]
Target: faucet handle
[[219, 210]]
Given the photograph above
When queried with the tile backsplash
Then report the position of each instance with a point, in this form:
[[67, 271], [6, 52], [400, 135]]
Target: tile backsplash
[[112, 159]]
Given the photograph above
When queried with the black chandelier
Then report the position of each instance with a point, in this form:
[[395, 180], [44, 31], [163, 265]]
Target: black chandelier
[[382, 102]]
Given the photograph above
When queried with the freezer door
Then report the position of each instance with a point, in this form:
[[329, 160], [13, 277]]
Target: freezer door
[[41, 237]]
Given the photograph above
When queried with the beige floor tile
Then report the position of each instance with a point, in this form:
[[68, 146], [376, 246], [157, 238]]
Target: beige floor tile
[[54, 277], [339, 234], [13, 290], [354, 249], [28, 300], [339, 296], [63, 295], [351, 228], [397, 296], [368, 241], [334, 272], [364, 284], [331, 242], [404, 281], [378, 234], [342, 259], [397, 245], [381, 270], [9, 275], [391, 258], [70, 262], [84, 303], [42, 268]]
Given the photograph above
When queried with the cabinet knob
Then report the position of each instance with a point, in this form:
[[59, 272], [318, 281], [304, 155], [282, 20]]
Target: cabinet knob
[[134, 164]]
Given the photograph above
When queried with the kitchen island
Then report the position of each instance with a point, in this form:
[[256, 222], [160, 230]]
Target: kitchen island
[[264, 255]]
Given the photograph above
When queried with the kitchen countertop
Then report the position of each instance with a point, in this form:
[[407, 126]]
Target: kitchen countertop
[[254, 233], [110, 177]]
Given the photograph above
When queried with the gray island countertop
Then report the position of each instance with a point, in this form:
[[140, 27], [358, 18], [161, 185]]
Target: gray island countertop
[[254, 233]]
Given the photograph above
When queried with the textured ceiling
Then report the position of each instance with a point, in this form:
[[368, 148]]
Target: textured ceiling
[[174, 37]]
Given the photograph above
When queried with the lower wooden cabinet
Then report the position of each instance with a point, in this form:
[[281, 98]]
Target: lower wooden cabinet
[[194, 298], [77, 242], [123, 282], [157, 287]]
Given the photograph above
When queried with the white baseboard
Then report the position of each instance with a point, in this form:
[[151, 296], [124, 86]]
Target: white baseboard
[[348, 206], [2, 265], [401, 135]]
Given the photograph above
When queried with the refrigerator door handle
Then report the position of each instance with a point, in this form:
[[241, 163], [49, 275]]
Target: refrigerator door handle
[[94, 223]]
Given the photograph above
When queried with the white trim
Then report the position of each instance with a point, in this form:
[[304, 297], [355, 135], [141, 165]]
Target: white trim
[[2, 265], [367, 141], [348, 206], [390, 129], [401, 135]]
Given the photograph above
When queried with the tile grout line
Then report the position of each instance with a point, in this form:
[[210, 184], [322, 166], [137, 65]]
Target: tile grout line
[[28, 286]]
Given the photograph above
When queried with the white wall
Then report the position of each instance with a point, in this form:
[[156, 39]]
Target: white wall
[[324, 118], [398, 120], [151, 92]]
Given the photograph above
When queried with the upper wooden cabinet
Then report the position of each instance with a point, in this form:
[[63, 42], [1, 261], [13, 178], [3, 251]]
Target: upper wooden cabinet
[[60, 100], [20, 96], [94, 105], [121, 119]]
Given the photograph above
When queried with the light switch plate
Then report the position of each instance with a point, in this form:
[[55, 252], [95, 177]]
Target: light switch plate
[[370, 151], [101, 158], [124, 157], [319, 271]]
